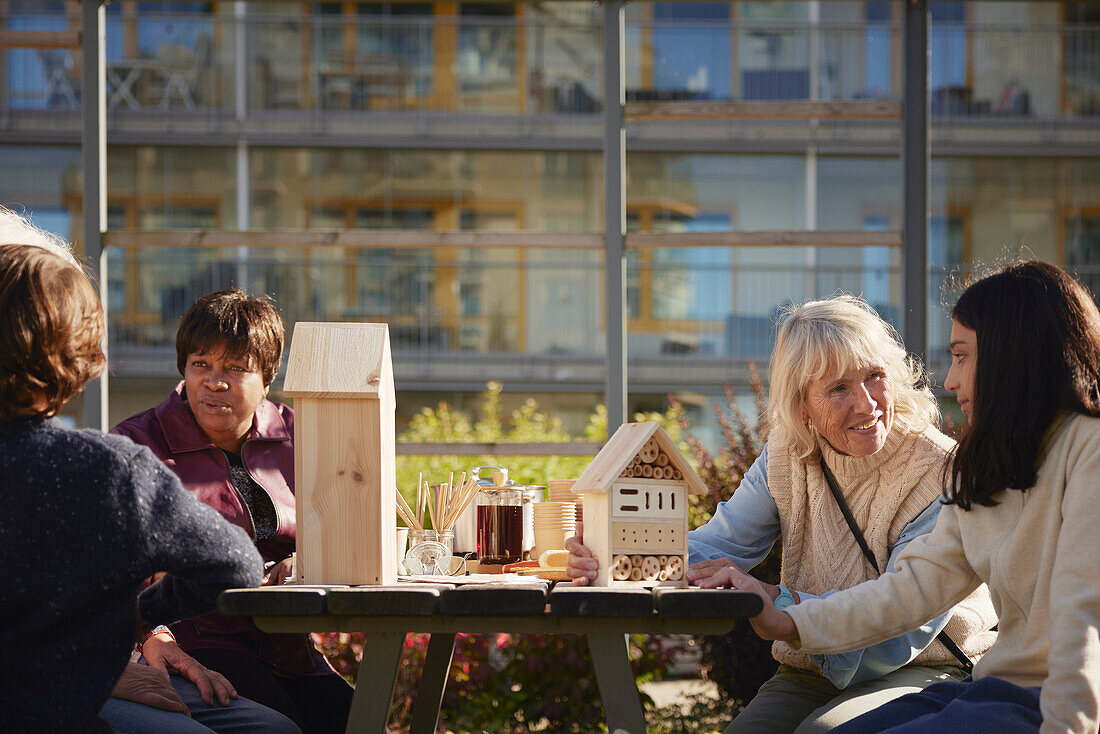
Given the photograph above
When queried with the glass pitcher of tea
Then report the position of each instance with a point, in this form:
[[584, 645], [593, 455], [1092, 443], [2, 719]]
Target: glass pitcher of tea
[[500, 525]]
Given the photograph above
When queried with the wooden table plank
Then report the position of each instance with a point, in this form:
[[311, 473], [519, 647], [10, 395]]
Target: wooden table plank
[[410, 600], [281, 601], [707, 603], [493, 600], [579, 601]]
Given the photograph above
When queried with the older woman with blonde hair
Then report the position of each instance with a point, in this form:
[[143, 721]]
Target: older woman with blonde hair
[[851, 473]]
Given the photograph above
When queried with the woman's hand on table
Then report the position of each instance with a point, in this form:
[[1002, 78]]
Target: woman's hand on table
[[701, 570], [771, 623], [278, 573], [705, 569], [163, 654], [149, 686], [580, 565]]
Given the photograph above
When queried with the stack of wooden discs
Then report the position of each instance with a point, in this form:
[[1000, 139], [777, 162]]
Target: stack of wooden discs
[[651, 463], [647, 568], [561, 490]]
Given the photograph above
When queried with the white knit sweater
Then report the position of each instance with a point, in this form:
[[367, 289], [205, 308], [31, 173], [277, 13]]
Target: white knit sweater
[[1039, 552], [885, 491]]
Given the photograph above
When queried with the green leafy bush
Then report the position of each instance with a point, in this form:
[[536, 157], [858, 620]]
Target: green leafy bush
[[525, 424]]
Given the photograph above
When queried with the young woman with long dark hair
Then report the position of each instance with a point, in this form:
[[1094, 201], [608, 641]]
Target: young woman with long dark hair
[[1022, 502]]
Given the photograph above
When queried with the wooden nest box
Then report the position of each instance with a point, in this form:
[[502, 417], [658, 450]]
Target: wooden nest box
[[635, 508], [341, 378]]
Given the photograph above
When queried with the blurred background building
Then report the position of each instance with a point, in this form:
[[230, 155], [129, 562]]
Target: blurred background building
[[486, 119]]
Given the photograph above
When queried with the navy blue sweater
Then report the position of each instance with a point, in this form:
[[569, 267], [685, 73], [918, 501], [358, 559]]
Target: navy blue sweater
[[86, 518]]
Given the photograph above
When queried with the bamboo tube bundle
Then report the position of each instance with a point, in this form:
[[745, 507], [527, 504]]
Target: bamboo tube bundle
[[442, 504]]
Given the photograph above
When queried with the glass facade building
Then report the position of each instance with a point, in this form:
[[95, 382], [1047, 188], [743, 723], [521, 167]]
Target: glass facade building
[[485, 120]]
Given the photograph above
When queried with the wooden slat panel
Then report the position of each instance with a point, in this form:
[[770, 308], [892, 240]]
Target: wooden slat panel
[[349, 238], [293, 601], [39, 39], [577, 448], [385, 601], [493, 600], [578, 601], [764, 110], [707, 603], [766, 238]]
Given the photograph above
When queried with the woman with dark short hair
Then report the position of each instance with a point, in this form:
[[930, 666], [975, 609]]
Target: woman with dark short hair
[[234, 450], [1021, 504], [87, 517]]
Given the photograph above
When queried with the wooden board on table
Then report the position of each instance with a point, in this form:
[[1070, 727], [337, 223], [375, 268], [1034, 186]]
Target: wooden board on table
[[707, 603], [289, 600], [580, 601], [495, 600], [550, 574], [403, 600]]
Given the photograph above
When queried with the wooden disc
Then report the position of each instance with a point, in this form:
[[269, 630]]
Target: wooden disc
[[621, 567]]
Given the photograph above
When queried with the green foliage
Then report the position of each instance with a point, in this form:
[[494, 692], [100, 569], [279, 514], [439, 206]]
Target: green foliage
[[525, 424], [698, 713]]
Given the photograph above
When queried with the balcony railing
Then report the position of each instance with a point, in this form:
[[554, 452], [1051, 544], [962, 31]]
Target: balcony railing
[[167, 64], [503, 313]]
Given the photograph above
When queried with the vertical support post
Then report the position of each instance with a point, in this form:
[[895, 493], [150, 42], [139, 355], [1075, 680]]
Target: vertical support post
[[915, 183], [619, 692], [433, 682], [614, 166], [93, 149], [240, 87]]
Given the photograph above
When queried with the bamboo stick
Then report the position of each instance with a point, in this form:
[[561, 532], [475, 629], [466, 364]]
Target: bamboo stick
[[406, 511], [409, 519], [431, 505], [468, 493]]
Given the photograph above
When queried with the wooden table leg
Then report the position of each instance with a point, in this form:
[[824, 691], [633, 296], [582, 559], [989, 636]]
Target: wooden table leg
[[615, 678], [377, 678], [433, 681]]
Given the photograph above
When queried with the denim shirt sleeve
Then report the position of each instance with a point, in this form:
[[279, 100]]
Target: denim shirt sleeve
[[857, 666], [744, 527]]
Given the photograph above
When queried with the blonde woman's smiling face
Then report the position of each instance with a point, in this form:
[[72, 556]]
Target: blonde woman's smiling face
[[853, 411]]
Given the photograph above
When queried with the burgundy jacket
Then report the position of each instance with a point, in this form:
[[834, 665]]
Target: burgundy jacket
[[171, 432]]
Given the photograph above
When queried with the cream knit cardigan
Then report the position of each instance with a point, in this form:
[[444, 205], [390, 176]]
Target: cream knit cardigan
[[885, 492], [1038, 550]]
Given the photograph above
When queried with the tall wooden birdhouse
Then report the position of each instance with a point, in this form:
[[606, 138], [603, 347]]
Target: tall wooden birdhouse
[[341, 378], [635, 508]]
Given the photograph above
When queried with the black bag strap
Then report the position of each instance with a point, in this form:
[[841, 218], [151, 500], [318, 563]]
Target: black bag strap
[[964, 660]]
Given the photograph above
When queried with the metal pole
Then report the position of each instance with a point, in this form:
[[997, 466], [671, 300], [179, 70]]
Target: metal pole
[[915, 185], [614, 165], [93, 145], [240, 86]]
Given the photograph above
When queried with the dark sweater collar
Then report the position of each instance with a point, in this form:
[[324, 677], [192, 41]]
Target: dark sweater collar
[[182, 431], [25, 423]]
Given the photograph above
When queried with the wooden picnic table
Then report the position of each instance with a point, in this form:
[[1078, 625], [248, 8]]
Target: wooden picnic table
[[385, 614]]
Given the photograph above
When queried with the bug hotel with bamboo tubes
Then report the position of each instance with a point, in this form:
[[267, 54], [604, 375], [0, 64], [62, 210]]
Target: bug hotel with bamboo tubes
[[635, 508]]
